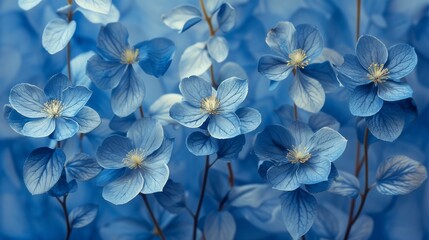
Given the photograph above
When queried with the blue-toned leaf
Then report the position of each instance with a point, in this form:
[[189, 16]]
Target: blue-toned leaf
[[217, 48], [400, 175], [365, 101], [326, 225], [394, 91], [217, 185], [124, 188], [388, 123], [250, 119], [401, 61], [201, 144], [213, 5], [64, 128], [28, 100], [222, 126], [274, 67], [281, 38], [299, 210], [160, 109], [172, 197], [88, 119], [362, 229], [99, 6], [230, 148], [219, 225], [42, 169], [324, 73], [82, 167], [62, 187], [307, 93], [231, 93], [226, 17], [112, 16], [370, 50], [83, 215], [28, 4], [57, 35], [182, 18], [346, 185], [321, 119], [156, 55], [195, 60], [129, 94]]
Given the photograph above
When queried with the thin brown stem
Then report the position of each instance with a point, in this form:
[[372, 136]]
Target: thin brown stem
[[212, 77], [231, 174], [295, 112], [201, 199], [207, 18], [358, 7], [68, 48], [63, 204], [158, 230], [141, 111]]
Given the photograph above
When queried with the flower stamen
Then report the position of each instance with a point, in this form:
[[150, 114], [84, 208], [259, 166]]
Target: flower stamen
[[53, 108], [377, 73], [298, 59], [210, 105], [129, 56], [134, 158], [298, 155]]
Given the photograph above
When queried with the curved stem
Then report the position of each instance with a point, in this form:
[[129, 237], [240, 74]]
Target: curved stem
[[158, 230], [295, 108], [358, 4], [207, 18], [201, 199], [68, 48], [141, 111], [212, 77], [231, 174], [63, 204]]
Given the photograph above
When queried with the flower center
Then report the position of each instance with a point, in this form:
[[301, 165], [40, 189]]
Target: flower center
[[134, 158], [210, 104], [53, 108], [297, 59], [129, 56], [298, 155], [377, 73]]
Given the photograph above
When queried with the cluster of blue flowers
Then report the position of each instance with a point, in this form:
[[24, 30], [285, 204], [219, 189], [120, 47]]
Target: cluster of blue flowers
[[227, 127]]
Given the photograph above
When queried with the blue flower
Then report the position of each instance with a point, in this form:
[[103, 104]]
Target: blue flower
[[202, 102], [298, 47], [58, 111], [296, 155], [115, 66], [138, 162], [374, 75]]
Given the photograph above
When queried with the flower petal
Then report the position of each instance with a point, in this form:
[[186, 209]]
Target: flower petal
[[231, 93], [182, 18], [105, 74], [370, 50], [364, 101], [64, 128], [188, 115], [394, 91], [222, 126], [28, 100], [74, 99], [112, 151], [274, 68], [327, 144], [163, 153], [273, 142], [281, 38], [313, 171], [309, 39], [217, 48], [156, 55], [354, 70], [283, 177], [147, 134], [55, 86], [300, 131], [112, 41], [88, 119], [250, 119], [194, 89], [17, 121], [99, 6], [388, 123], [42, 127], [307, 93], [57, 35], [155, 177], [401, 61], [324, 73], [195, 60], [125, 188]]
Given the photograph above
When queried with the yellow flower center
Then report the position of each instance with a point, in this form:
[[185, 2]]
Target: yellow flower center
[[298, 59], [129, 56], [377, 73], [53, 108], [134, 158], [210, 105], [298, 155]]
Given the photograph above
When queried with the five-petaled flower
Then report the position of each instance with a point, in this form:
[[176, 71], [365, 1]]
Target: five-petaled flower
[[58, 111], [374, 75], [299, 47], [295, 155], [202, 102], [135, 163], [116, 66]]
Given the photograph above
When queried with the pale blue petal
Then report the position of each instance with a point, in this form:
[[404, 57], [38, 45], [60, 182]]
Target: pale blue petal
[[327, 144], [222, 126], [28, 4], [400, 175], [345, 184], [274, 67], [307, 93], [57, 35], [394, 91], [182, 18], [352, 69], [125, 188], [273, 143], [217, 48], [17, 121], [160, 109], [88, 119], [283, 177], [129, 94], [112, 16], [28, 100], [105, 74], [64, 128], [250, 119], [313, 171], [281, 38], [231, 93], [113, 150], [401, 61], [324, 73], [147, 134], [163, 153], [112, 41], [219, 225], [370, 50], [201, 144], [388, 123], [55, 86], [213, 5], [74, 99], [155, 176], [226, 17], [188, 115], [309, 39], [156, 55], [325, 185], [321, 119], [42, 127], [231, 69], [43, 169], [365, 101], [300, 131], [194, 89], [195, 60], [99, 6]]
